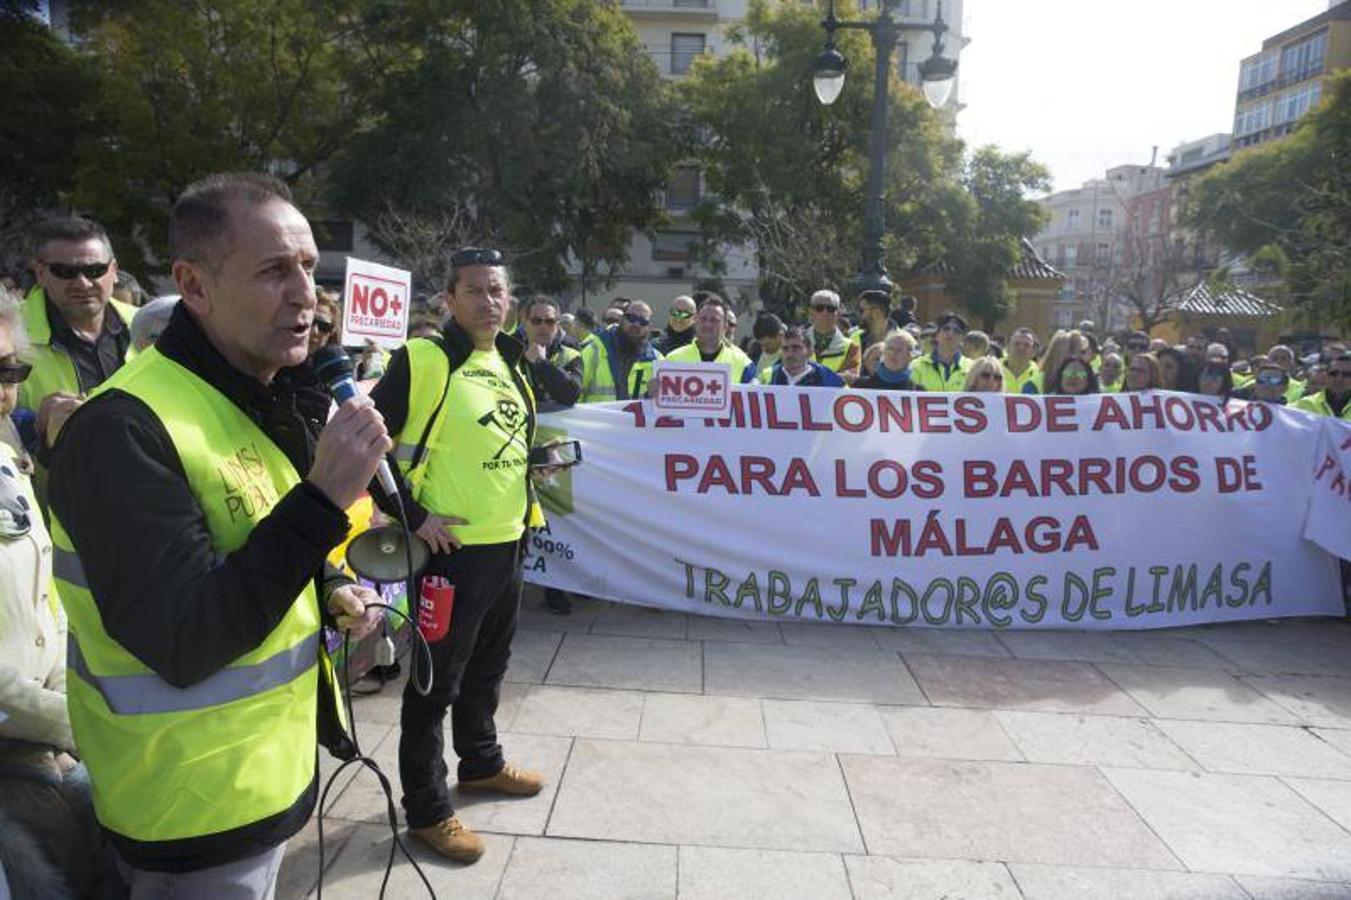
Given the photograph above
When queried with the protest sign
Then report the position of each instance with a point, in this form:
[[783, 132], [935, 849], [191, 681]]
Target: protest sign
[[375, 304], [692, 389], [1329, 522], [1119, 511]]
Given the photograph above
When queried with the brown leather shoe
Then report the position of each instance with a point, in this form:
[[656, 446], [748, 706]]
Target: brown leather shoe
[[451, 839], [511, 780]]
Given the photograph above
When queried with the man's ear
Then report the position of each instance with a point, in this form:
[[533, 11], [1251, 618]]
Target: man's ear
[[192, 287]]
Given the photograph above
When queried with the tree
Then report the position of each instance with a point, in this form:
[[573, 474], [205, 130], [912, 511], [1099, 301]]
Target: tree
[[186, 89], [988, 242], [546, 121], [786, 176], [1290, 200]]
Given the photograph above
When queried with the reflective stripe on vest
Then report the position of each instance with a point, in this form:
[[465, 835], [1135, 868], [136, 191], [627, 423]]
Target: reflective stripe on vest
[[130, 695]]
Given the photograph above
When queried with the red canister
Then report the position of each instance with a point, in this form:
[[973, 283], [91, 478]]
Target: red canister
[[434, 606]]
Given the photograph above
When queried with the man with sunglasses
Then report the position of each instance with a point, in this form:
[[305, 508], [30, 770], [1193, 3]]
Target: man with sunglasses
[[1268, 385], [80, 335], [679, 325], [617, 362], [829, 344], [710, 342], [555, 368], [1335, 399], [946, 368]]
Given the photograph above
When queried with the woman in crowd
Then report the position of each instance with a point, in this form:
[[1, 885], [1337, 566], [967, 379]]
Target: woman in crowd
[[1074, 378], [1175, 372], [48, 839], [1063, 345], [324, 329], [986, 376], [1215, 380], [1143, 373], [1111, 374], [892, 372]]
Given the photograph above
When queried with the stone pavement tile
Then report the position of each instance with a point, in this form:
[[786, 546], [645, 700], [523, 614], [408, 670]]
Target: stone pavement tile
[[552, 869], [364, 801], [694, 719], [532, 652], [1015, 812], [886, 878], [536, 617], [808, 673], [833, 727], [1337, 737], [1083, 646], [1076, 740], [707, 796], [939, 733], [587, 712], [738, 631], [300, 866], [940, 642], [357, 873], [1332, 797], [1192, 693], [644, 664], [1246, 749], [844, 637], [1237, 824], [1032, 684], [384, 701], [717, 873], [1070, 883], [1315, 700], [1260, 888], [628, 620], [371, 736], [1164, 648], [1281, 657]]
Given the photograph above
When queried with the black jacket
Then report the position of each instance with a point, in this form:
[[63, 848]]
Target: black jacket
[[391, 399], [555, 386], [673, 340], [118, 487]]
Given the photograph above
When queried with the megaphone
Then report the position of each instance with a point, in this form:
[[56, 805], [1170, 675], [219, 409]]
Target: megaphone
[[382, 555]]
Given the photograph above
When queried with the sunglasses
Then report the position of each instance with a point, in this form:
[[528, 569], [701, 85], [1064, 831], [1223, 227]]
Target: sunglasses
[[14, 373], [681, 315], [1271, 380], [825, 308], [635, 319], [541, 320], [476, 256], [991, 376], [71, 271], [323, 326]]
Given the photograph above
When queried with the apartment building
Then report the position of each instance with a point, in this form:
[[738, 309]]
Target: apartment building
[[1283, 81]]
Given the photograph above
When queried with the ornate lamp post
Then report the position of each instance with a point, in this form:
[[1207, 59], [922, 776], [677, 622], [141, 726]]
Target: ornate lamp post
[[937, 75]]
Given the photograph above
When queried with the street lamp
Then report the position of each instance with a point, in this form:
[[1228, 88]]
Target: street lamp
[[937, 75]]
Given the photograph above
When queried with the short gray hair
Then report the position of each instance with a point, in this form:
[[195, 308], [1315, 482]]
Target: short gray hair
[[11, 316]]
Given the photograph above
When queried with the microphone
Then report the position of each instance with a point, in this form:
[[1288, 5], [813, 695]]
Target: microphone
[[332, 366]]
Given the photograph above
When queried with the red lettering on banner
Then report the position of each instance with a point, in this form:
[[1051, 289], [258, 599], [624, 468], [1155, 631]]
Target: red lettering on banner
[[933, 415], [1110, 413], [842, 488], [1042, 534], [1023, 413], [1060, 414], [971, 415], [928, 478], [804, 402]]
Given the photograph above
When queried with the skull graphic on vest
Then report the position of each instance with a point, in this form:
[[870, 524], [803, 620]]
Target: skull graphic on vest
[[508, 417]]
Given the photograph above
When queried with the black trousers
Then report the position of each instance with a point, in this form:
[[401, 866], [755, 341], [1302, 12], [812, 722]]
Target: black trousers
[[469, 663]]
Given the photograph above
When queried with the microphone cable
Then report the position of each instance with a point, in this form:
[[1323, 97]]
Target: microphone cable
[[360, 758]]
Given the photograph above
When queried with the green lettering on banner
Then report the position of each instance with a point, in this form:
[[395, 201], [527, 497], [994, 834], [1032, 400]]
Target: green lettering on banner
[[1101, 592], [1263, 585], [1033, 593], [1156, 599], [689, 578], [1214, 588], [872, 602], [715, 585], [947, 603], [968, 599], [1237, 579], [811, 594], [1073, 582], [897, 587], [1001, 593], [779, 600], [750, 589], [1132, 608], [1182, 592], [837, 613]]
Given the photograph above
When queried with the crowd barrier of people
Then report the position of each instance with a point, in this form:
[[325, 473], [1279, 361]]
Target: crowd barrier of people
[[165, 579]]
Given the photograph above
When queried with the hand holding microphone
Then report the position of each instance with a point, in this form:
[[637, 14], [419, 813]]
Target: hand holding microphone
[[352, 446]]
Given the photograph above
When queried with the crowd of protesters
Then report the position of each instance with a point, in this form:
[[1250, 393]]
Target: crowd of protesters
[[75, 319]]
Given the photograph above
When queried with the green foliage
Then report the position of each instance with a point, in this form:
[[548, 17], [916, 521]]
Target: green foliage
[[543, 126], [1287, 205]]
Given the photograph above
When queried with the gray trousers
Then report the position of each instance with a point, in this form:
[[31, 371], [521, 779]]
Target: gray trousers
[[252, 878]]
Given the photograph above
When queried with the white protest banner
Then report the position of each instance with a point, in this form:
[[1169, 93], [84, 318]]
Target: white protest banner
[[692, 389], [375, 304], [1329, 523], [1120, 511]]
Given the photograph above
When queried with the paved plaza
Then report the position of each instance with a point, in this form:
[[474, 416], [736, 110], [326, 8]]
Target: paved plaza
[[706, 758]]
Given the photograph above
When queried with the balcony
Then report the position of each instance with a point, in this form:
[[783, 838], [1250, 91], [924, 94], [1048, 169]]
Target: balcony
[[674, 61], [683, 9]]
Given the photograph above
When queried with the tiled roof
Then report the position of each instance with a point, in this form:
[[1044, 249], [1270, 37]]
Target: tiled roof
[[1030, 267], [1201, 301]]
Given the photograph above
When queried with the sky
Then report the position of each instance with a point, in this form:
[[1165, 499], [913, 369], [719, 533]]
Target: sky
[[1089, 84]]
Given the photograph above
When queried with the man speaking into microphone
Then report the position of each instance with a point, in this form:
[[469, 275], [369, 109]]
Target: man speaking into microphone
[[202, 492]]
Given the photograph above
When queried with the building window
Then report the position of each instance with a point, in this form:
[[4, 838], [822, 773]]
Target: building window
[[682, 194], [684, 49], [1105, 218], [1072, 220], [1290, 107], [1305, 59], [674, 246], [1072, 255], [1256, 72], [1104, 254], [690, 4], [1252, 119]]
